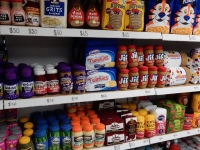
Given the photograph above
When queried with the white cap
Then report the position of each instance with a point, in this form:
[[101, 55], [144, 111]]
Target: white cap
[[32, 65], [38, 66], [52, 71], [39, 72], [55, 64], [49, 67], [38, 69]]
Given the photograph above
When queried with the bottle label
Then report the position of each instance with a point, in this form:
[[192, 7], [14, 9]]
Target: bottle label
[[32, 16], [122, 82], [130, 129], [11, 91], [66, 84], [40, 87], [41, 143], [92, 17], [65, 140], [140, 130], [77, 142], [54, 142], [99, 138], [80, 83], [133, 80], [11, 144], [143, 79], [26, 89], [18, 17], [160, 127], [149, 128], [76, 16], [149, 59], [140, 60], [88, 140], [54, 8], [152, 79], [161, 80], [159, 58], [132, 57], [5, 16], [53, 86], [122, 59]]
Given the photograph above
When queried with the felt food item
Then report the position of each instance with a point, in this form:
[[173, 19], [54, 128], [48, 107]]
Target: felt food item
[[177, 76], [174, 125], [196, 120], [189, 62], [195, 55], [195, 102]]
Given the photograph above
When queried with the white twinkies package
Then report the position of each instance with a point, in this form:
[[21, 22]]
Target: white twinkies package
[[101, 80], [100, 57]]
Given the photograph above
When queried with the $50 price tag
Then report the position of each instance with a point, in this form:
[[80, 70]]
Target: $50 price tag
[[14, 30], [32, 31]]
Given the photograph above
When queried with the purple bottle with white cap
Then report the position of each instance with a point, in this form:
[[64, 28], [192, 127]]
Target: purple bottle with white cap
[[26, 84], [11, 89]]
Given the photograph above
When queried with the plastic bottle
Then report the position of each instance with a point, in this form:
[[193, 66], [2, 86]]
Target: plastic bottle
[[99, 139], [25, 143], [11, 89], [65, 136], [40, 140], [88, 136], [54, 137], [95, 121], [22, 121], [5, 10], [52, 82], [140, 127], [121, 59], [18, 133], [17, 13], [77, 138], [40, 84], [150, 125]]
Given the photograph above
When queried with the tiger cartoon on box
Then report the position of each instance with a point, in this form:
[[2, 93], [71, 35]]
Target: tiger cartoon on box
[[184, 18], [159, 17]]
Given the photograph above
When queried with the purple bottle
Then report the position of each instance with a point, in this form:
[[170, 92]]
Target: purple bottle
[[11, 89], [2, 144], [26, 84], [21, 66], [11, 142], [12, 69]]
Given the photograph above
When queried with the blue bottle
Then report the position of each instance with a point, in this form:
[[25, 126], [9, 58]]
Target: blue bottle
[[40, 140]]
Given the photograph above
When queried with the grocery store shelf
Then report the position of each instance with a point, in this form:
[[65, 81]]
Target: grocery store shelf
[[176, 37], [62, 99], [59, 32], [178, 89], [177, 135], [1, 104]]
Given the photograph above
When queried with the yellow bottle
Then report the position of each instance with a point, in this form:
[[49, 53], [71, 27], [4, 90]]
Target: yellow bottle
[[135, 113], [150, 127], [132, 106], [140, 127], [142, 112]]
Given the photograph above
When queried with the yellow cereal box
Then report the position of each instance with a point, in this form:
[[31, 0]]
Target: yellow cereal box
[[134, 15], [113, 14]]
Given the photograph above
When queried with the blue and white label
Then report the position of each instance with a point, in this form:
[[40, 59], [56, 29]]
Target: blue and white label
[[54, 9]]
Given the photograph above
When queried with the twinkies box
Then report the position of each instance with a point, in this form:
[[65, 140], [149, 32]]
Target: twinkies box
[[101, 80], [100, 57]]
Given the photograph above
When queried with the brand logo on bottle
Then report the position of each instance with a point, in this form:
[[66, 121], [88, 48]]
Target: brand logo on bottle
[[134, 79], [41, 146], [140, 58], [161, 118], [94, 52], [163, 78], [124, 80], [79, 139], [154, 78], [56, 141], [66, 140], [106, 105], [144, 78], [123, 57], [114, 126], [150, 57], [116, 138], [134, 55], [159, 56]]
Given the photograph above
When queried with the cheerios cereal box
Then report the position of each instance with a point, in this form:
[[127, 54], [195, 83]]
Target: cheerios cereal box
[[134, 15], [158, 14], [113, 13], [183, 17]]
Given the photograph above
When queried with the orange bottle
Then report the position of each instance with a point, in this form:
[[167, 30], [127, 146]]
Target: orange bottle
[[75, 123], [85, 118], [84, 122], [89, 112], [140, 127], [95, 121], [77, 138], [150, 127], [92, 116], [75, 118], [88, 136]]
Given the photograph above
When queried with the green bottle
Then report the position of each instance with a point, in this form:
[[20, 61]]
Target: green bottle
[[40, 140], [65, 137], [54, 137]]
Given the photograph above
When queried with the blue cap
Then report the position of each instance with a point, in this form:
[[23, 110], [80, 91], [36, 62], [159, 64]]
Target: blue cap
[[65, 127], [53, 122], [39, 121], [54, 128], [50, 117], [39, 133], [42, 126], [62, 116], [65, 121]]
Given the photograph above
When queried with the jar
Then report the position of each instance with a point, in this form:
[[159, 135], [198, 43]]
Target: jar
[[84, 122], [2, 144], [85, 118], [70, 115], [140, 54], [11, 117], [135, 113], [142, 112], [132, 106], [29, 133], [65, 136], [11, 142], [133, 78], [161, 80], [5, 12], [148, 55], [17, 13], [22, 121], [132, 56], [122, 79], [158, 55], [40, 83], [81, 106], [80, 113], [52, 82], [88, 136], [77, 138], [25, 143], [143, 77], [140, 127], [121, 59], [95, 121], [32, 10], [99, 135], [88, 105], [150, 127], [40, 139], [152, 76], [79, 80], [54, 137], [28, 125]]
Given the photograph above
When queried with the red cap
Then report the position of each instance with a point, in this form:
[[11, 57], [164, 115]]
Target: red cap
[[135, 69], [139, 48], [5, 0], [148, 47], [131, 46], [16, 1], [158, 47], [122, 48], [124, 71], [162, 69], [153, 68], [143, 68]]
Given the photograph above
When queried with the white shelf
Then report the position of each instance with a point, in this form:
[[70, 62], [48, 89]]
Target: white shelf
[[177, 135], [1, 104], [66, 32], [176, 37], [63, 99]]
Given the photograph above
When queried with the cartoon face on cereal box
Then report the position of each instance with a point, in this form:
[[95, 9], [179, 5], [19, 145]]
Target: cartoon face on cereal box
[[183, 17], [158, 15]]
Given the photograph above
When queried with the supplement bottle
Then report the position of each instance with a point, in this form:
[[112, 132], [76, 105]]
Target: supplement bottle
[[5, 18], [77, 138], [88, 136], [17, 13], [121, 59], [52, 82], [132, 56]]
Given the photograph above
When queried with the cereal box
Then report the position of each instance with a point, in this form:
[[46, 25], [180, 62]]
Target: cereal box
[[174, 125], [158, 14]]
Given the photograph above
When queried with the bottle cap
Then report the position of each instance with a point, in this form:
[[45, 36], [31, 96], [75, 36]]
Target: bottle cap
[[75, 118], [70, 115], [95, 120], [123, 105], [21, 66], [23, 119], [11, 76], [153, 68], [24, 140], [76, 129], [65, 121], [88, 127], [28, 132], [84, 118], [15, 128], [142, 112], [62, 116], [8, 65], [12, 137], [158, 47], [39, 133], [26, 73], [53, 122], [53, 128], [80, 113], [134, 70], [52, 71], [139, 48], [135, 113], [148, 47], [131, 46], [28, 125], [162, 69], [93, 116], [34, 64], [50, 117], [75, 123], [64, 68], [65, 127], [63, 63], [42, 126], [79, 68], [16, 132], [38, 66], [39, 72], [84, 122], [49, 67], [122, 48], [100, 126], [124, 71], [143, 68], [89, 112]]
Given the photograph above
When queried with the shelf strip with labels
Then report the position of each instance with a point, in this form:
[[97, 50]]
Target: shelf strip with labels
[[1, 104], [66, 32], [177, 135], [63, 99], [176, 37]]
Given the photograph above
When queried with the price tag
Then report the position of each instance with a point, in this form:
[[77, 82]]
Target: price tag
[[147, 91], [83, 33], [50, 100], [74, 98], [57, 32], [125, 34], [196, 88], [103, 96], [116, 147], [198, 131], [11, 104], [188, 132], [14, 30], [175, 135], [160, 138], [146, 141], [32, 31], [131, 144], [192, 38]]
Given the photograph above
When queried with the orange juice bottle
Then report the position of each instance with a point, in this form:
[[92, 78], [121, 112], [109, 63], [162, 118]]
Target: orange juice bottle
[[99, 135], [150, 127], [88, 136], [140, 127], [77, 138]]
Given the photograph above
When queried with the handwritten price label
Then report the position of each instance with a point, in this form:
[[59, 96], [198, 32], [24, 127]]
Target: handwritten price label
[[147, 91], [125, 34], [146, 141], [117, 147], [175, 135], [83, 33], [196, 88], [50, 100], [103, 96], [32, 31], [57, 32], [74, 98], [160, 138], [14, 30], [10, 104], [188, 132], [131, 144], [192, 38]]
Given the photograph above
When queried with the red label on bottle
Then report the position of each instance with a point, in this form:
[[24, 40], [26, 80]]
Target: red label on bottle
[[121, 59], [143, 79], [76, 16], [139, 134], [133, 80], [132, 57], [152, 79], [92, 17], [40, 87], [161, 79], [122, 82], [53, 86], [149, 59], [187, 121], [149, 133]]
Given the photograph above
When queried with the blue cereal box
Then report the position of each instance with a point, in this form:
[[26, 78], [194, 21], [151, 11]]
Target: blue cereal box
[[183, 17], [196, 30], [101, 80], [100, 57], [158, 15]]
